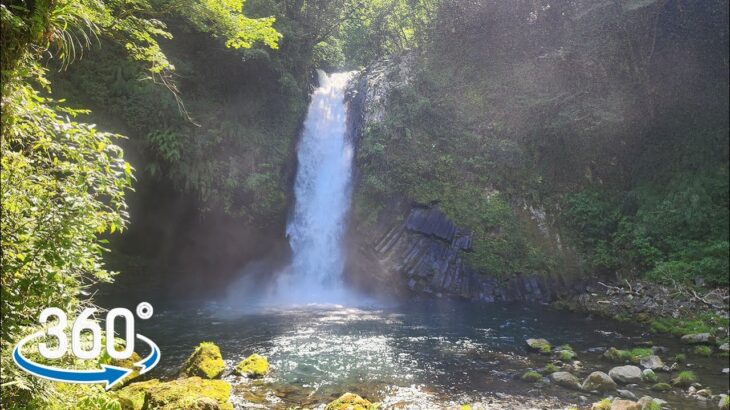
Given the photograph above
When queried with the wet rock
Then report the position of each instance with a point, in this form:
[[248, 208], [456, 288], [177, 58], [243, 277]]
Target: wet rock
[[659, 349], [704, 393], [350, 401], [598, 381], [253, 366], [648, 375], [646, 401], [652, 362], [698, 338], [724, 348], [565, 379], [541, 345], [626, 394], [625, 374], [206, 362], [625, 405], [661, 387], [614, 355], [726, 370], [724, 403]]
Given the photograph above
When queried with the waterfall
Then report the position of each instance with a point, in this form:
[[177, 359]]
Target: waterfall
[[322, 198]]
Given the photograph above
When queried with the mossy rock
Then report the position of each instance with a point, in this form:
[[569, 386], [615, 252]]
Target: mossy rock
[[685, 378], [132, 396], [566, 355], [541, 345], [350, 401], [206, 362], [531, 376], [661, 387], [253, 366], [193, 393], [127, 363]]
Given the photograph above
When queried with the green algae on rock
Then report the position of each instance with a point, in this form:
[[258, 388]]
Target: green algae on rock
[[253, 366], [193, 393], [350, 401], [206, 362], [541, 345], [531, 376]]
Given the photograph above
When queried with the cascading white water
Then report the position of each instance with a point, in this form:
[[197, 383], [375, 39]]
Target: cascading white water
[[322, 198]]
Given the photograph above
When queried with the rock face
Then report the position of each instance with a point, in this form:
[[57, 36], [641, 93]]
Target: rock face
[[625, 374], [565, 379], [698, 338], [415, 247], [598, 381], [206, 362]]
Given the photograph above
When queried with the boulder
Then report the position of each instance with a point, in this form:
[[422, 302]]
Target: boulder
[[626, 394], [625, 374], [625, 405], [724, 403], [206, 362], [192, 393], [565, 379], [652, 362], [350, 401], [541, 345], [698, 338], [254, 366], [598, 381]]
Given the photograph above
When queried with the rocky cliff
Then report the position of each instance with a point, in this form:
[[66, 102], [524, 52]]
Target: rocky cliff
[[413, 248]]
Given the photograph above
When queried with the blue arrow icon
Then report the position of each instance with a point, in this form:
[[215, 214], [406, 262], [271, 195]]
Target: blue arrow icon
[[152, 359], [110, 375]]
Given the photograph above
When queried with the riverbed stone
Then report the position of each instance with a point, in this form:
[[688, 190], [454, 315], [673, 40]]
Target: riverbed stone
[[206, 362], [614, 355], [565, 379], [625, 405], [661, 387], [350, 401], [724, 403], [625, 374], [598, 381], [724, 348], [698, 338], [626, 394], [652, 362], [648, 375], [541, 345], [254, 366]]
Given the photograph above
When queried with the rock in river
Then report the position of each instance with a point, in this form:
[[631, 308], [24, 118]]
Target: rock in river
[[598, 381], [698, 338], [625, 405], [652, 362], [565, 379], [206, 362], [541, 345], [625, 374]]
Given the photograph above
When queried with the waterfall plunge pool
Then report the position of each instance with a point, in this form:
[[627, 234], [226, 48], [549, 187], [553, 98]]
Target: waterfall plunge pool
[[428, 354]]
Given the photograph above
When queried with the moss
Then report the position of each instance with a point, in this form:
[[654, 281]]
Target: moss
[[621, 356], [188, 394], [531, 376], [725, 403], [550, 368], [703, 351], [639, 353], [541, 345], [566, 355], [652, 405], [128, 363], [680, 357], [704, 323], [253, 366], [661, 387], [604, 404], [649, 376], [206, 361], [132, 396], [465, 407], [350, 401], [685, 378]]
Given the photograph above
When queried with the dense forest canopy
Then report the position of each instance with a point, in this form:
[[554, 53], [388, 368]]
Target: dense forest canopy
[[610, 114]]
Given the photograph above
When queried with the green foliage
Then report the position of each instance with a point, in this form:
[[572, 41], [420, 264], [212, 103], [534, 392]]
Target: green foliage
[[531, 376], [685, 378], [680, 357], [704, 323], [705, 351], [551, 368]]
